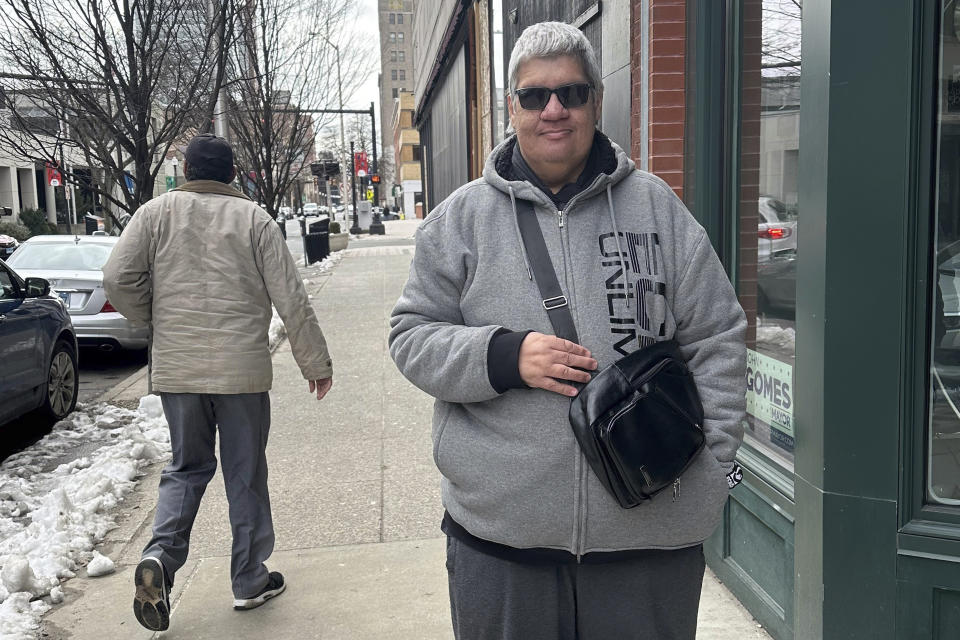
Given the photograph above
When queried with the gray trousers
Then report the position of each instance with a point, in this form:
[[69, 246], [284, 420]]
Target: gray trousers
[[653, 597], [244, 422]]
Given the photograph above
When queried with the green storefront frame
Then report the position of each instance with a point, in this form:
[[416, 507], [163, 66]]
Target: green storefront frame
[[842, 547]]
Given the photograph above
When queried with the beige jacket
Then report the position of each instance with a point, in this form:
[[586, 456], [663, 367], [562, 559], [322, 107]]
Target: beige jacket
[[202, 264]]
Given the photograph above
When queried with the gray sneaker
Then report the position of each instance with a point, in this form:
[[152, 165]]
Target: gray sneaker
[[273, 588], [151, 603]]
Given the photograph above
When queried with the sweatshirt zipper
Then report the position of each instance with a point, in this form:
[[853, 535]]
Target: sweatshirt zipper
[[581, 481]]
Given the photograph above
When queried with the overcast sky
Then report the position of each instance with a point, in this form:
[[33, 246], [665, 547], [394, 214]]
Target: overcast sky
[[368, 27]]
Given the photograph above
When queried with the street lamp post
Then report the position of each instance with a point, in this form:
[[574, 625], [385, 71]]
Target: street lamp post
[[343, 144]]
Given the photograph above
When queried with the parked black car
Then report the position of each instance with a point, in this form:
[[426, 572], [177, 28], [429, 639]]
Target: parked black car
[[38, 350]]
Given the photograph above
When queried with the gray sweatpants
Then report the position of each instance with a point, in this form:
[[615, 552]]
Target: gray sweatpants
[[244, 422], [653, 597]]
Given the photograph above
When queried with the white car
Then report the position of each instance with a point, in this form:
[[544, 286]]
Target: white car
[[72, 265], [777, 233], [311, 209]]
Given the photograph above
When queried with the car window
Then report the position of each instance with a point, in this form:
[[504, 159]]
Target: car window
[[70, 257], [8, 290], [773, 211]]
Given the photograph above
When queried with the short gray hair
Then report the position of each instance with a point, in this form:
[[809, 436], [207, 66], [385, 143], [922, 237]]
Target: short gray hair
[[552, 40]]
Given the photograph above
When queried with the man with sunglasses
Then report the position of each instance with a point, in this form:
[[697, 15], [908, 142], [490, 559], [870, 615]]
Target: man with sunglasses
[[536, 548]]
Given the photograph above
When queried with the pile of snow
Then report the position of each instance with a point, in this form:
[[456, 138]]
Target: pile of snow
[[100, 565], [51, 518], [777, 337], [324, 265]]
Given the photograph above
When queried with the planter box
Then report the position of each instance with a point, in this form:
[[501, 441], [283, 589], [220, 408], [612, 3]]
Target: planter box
[[338, 241]]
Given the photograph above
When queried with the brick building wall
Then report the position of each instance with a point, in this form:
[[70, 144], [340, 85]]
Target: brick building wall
[[665, 75]]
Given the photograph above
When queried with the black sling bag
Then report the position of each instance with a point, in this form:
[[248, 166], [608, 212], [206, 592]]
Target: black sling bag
[[639, 422]]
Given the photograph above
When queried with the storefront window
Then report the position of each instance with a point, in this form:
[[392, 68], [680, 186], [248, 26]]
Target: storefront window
[[943, 447], [768, 215]]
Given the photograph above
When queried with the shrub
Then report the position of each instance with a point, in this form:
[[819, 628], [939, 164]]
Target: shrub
[[15, 230], [334, 227], [36, 221]]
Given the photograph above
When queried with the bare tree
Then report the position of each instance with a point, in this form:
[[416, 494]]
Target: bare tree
[[114, 81], [284, 69], [781, 38]]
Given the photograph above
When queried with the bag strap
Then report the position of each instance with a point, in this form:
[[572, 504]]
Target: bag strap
[[554, 301]]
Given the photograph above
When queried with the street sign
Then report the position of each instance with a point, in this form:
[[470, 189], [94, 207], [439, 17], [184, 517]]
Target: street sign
[[130, 184], [361, 173]]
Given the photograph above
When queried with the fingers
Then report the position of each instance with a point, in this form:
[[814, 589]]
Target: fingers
[[323, 386], [550, 384], [563, 372], [559, 344], [577, 362]]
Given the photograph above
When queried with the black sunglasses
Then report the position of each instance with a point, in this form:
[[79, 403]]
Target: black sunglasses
[[569, 95]]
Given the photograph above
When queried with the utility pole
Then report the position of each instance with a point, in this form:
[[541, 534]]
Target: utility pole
[[355, 229], [376, 167], [376, 226], [343, 144]]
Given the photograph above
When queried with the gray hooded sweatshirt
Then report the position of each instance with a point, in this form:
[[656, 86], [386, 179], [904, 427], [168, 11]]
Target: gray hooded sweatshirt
[[636, 268]]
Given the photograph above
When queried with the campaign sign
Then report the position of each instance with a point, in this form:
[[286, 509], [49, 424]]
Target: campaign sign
[[770, 391]]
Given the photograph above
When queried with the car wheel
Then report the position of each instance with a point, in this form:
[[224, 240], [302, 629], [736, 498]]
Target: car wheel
[[63, 382]]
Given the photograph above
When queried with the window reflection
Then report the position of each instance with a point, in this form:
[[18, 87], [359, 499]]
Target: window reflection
[[769, 210], [943, 469]]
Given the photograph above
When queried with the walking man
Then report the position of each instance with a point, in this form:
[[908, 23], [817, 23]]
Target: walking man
[[536, 547], [202, 265]]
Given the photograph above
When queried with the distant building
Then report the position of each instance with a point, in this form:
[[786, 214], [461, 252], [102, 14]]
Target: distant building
[[407, 185], [397, 69]]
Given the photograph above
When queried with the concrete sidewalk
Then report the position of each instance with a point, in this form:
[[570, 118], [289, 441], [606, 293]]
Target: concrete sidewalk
[[355, 494]]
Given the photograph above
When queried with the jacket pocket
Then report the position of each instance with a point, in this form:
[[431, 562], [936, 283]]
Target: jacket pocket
[[442, 412]]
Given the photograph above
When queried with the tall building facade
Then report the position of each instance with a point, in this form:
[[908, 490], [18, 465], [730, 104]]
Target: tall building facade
[[408, 188], [396, 70]]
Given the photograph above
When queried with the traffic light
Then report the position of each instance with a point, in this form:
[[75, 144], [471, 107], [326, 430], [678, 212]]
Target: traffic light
[[326, 168]]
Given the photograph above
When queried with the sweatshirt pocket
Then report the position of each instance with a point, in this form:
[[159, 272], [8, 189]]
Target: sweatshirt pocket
[[441, 415]]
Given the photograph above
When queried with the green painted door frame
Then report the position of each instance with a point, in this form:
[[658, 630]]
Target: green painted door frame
[[856, 137]]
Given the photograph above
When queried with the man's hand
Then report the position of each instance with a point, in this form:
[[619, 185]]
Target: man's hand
[[320, 386], [545, 360]]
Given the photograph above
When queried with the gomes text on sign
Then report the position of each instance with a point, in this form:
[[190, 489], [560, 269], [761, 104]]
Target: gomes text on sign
[[770, 391]]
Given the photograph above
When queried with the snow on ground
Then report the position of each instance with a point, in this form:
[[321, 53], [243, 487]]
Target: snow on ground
[[52, 515]]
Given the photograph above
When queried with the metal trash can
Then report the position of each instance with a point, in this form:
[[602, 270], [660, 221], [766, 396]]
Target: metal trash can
[[92, 223], [282, 222], [320, 226], [316, 243]]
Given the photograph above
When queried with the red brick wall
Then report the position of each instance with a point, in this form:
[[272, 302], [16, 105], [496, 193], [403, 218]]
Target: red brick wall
[[665, 71], [750, 161]]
